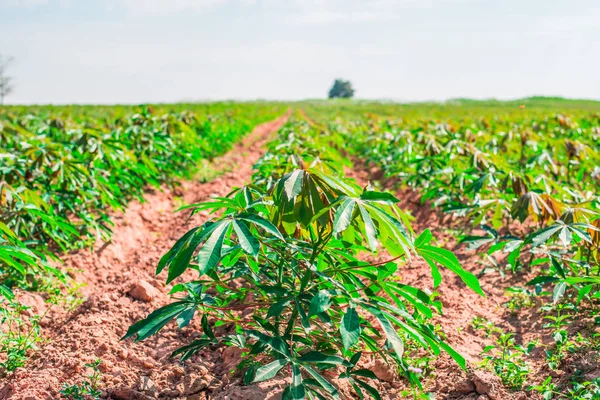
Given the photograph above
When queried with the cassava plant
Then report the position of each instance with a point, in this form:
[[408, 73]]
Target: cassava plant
[[281, 275]]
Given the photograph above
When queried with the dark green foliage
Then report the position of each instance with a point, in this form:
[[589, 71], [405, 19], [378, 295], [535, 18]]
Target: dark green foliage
[[61, 176], [341, 89], [283, 266]]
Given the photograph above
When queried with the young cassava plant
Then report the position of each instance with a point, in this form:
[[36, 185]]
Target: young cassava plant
[[281, 275]]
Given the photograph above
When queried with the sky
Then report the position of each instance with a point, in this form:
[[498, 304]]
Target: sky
[[143, 51]]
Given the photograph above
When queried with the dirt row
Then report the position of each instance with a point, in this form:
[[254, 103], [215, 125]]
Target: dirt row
[[121, 289]]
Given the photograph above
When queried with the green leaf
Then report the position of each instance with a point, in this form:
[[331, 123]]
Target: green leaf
[[296, 390], [541, 237], [248, 242], [156, 320], [263, 223], [559, 291], [189, 350], [447, 259], [275, 343], [320, 358], [185, 317], [343, 215], [210, 253], [424, 238], [293, 184], [249, 374], [6, 292], [390, 332], [269, 371], [457, 357], [179, 260], [369, 389], [379, 197], [206, 327], [350, 328], [541, 280], [367, 373], [9, 233], [370, 230], [322, 381], [584, 291], [319, 303], [435, 273], [277, 308]]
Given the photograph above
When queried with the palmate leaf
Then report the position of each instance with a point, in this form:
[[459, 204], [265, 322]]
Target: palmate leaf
[[531, 203], [178, 258], [564, 231]]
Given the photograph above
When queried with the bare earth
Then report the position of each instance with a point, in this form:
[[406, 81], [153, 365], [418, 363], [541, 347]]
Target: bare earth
[[121, 289]]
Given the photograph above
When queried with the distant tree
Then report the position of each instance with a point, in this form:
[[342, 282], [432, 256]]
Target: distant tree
[[341, 88], [6, 82]]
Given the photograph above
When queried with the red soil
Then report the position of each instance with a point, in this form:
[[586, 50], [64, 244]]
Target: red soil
[[121, 289]]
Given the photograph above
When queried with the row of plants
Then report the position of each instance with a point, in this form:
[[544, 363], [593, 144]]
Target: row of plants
[[63, 172], [280, 272], [525, 182]]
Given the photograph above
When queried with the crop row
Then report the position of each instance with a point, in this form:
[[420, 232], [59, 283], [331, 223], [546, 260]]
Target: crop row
[[283, 268], [64, 170], [523, 187]]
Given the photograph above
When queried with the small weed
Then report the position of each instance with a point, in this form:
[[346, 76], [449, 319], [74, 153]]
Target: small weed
[[586, 390], [547, 389], [19, 334], [558, 325], [505, 358], [87, 388], [480, 323], [519, 298]]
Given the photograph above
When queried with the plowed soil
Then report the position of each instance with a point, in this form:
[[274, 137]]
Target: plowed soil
[[121, 288]]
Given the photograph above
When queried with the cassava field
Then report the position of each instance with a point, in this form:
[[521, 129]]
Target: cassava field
[[320, 250]]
